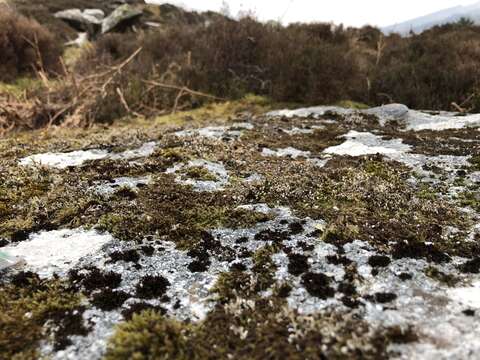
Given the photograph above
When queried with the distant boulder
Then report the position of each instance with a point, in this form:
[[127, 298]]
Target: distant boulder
[[122, 16], [390, 111], [95, 13], [88, 20]]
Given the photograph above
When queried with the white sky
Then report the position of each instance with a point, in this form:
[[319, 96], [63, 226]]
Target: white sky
[[348, 12]]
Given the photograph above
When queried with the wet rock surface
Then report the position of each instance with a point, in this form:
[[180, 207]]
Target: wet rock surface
[[313, 233]]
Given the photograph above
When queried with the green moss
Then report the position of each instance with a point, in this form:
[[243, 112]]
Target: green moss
[[349, 104], [470, 199], [427, 193], [369, 199], [475, 161], [253, 329], [150, 336], [172, 154], [19, 88], [244, 219], [198, 173], [231, 284], [25, 311], [269, 137], [165, 208], [264, 267], [218, 111], [447, 279]]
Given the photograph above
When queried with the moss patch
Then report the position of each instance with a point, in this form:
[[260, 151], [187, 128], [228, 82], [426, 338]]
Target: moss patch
[[27, 307], [247, 329]]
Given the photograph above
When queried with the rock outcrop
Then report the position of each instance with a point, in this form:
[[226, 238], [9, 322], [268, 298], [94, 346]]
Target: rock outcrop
[[121, 17], [88, 20], [319, 232]]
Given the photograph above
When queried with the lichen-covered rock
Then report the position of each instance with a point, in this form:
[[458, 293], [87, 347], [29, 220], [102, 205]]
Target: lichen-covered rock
[[121, 15], [87, 20], [313, 233]]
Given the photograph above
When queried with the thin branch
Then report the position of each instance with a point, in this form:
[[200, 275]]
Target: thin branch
[[118, 69], [184, 88]]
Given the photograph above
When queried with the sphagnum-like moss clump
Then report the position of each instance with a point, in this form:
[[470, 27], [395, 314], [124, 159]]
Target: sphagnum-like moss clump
[[30, 309], [253, 329]]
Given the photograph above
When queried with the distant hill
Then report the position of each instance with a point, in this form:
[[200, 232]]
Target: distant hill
[[446, 16]]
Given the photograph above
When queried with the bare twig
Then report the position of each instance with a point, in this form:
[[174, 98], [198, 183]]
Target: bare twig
[[125, 104], [118, 69], [185, 89], [177, 99]]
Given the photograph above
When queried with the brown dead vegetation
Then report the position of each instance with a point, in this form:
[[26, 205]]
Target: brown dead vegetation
[[182, 67], [25, 46]]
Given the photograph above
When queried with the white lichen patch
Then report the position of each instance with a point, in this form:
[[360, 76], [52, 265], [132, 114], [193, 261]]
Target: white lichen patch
[[448, 163], [361, 143], [108, 188], [314, 112], [287, 152], [253, 178], [217, 132], [468, 296], [55, 252], [189, 293], [411, 119], [145, 150], [215, 169], [435, 311], [302, 131], [64, 160], [416, 121], [7, 261], [78, 158], [92, 346], [421, 302]]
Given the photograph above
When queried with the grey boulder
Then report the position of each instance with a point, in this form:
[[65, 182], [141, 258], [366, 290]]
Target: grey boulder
[[119, 17], [389, 112], [86, 20]]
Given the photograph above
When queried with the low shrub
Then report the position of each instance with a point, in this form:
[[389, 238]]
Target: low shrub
[[431, 70], [183, 66], [25, 46]]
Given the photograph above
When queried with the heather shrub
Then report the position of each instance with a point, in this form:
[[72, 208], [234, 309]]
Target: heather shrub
[[25, 46], [309, 64], [431, 70], [301, 63]]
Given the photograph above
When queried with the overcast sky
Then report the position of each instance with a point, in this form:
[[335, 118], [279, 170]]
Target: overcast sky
[[349, 12]]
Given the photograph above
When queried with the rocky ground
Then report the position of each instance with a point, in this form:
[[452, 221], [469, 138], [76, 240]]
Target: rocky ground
[[313, 233]]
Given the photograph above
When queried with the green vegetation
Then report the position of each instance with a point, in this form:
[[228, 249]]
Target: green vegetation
[[253, 329], [306, 64], [27, 306], [448, 279], [198, 173]]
